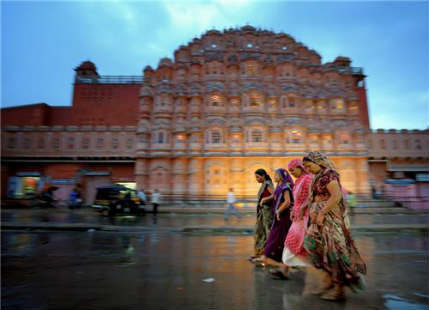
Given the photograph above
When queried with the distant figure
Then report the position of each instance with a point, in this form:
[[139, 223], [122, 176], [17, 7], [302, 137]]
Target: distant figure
[[230, 200], [142, 196], [373, 192], [75, 198], [156, 196]]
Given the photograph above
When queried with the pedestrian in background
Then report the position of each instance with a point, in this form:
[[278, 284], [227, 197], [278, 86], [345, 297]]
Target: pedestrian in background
[[156, 197], [230, 200]]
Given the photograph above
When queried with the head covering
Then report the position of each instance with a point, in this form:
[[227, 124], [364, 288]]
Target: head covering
[[285, 176], [287, 184], [320, 159], [296, 163]]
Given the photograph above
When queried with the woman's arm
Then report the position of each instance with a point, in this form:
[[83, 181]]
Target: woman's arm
[[268, 198], [284, 205], [335, 191]]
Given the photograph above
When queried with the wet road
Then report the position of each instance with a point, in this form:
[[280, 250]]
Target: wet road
[[179, 220], [164, 270]]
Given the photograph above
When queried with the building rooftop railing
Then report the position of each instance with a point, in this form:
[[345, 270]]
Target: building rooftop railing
[[110, 79]]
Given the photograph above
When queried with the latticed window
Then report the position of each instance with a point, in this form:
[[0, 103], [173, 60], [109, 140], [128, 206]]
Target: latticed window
[[100, 143], [252, 68], [216, 137], [255, 99], [70, 142], [56, 143], [26, 143], [216, 101], [115, 143], [41, 143], [161, 137], [85, 143], [11, 143], [295, 136], [130, 142], [256, 136]]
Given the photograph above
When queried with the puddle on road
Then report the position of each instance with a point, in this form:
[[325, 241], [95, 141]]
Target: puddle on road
[[394, 302]]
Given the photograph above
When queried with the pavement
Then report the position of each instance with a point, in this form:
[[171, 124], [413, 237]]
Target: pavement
[[78, 259], [171, 270]]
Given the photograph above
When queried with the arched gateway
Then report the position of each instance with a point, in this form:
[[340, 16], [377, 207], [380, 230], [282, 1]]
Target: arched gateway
[[241, 99]]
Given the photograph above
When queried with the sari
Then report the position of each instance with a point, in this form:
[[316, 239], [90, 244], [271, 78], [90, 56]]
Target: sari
[[330, 247]]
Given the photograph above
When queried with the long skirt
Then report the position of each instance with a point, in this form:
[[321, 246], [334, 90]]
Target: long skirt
[[276, 238], [331, 248], [264, 219], [294, 254]]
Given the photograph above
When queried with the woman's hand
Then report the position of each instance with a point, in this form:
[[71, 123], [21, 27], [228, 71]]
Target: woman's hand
[[320, 218], [278, 215]]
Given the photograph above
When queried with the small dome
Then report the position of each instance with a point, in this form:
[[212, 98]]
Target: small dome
[[248, 28], [87, 65], [165, 62]]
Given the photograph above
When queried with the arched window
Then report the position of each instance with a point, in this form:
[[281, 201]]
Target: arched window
[[295, 136], [160, 137], [256, 136], [216, 101], [251, 68], [255, 99], [345, 139], [216, 137]]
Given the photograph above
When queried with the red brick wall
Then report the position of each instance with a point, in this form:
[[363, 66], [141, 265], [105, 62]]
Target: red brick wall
[[30, 115], [106, 104], [103, 104]]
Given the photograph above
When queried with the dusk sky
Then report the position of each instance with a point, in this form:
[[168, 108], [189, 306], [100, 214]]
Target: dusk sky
[[42, 42]]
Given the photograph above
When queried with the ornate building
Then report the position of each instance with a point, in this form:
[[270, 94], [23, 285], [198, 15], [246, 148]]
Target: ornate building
[[229, 103], [242, 99]]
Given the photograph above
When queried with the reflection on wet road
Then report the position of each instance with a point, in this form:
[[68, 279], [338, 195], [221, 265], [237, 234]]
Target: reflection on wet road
[[162, 270]]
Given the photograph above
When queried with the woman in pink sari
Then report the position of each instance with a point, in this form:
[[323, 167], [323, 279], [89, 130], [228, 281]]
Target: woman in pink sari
[[293, 251], [294, 254]]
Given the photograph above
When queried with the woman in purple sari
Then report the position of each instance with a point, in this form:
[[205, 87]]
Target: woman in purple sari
[[283, 201]]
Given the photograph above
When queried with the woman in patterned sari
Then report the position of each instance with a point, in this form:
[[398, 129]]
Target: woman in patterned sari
[[328, 240], [264, 213]]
